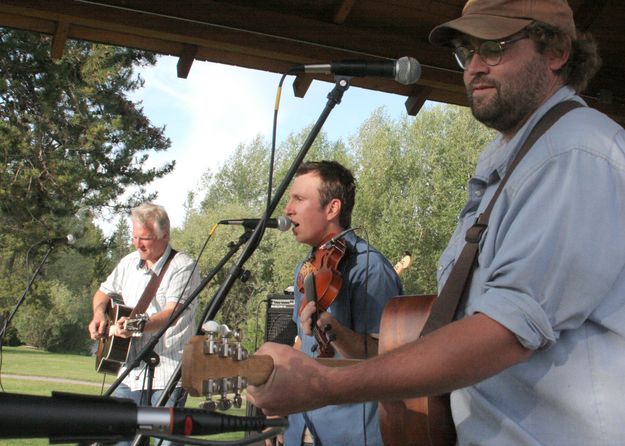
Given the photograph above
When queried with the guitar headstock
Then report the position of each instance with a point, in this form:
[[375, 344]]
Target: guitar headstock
[[216, 365], [404, 263]]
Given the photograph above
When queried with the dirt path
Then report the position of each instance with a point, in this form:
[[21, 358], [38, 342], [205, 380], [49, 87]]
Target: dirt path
[[49, 379]]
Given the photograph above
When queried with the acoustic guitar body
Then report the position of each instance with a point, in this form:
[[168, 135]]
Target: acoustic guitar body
[[113, 351], [415, 421]]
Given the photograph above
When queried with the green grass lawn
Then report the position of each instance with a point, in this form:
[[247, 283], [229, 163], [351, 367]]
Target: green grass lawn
[[29, 362]]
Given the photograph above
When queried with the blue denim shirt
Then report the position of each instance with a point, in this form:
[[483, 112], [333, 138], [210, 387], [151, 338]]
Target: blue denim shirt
[[551, 268], [359, 306]]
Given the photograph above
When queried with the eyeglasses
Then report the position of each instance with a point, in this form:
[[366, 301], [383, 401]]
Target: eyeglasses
[[490, 51], [144, 239]]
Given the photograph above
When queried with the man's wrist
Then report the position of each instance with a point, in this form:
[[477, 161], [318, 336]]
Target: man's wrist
[[97, 311], [143, 323]]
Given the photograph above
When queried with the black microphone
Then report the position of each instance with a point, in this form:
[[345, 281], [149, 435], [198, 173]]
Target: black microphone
[[67, 417], [281, 222], [405, 70]]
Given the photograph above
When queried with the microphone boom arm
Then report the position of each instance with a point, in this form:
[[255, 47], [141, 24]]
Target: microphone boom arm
[[7, 321]]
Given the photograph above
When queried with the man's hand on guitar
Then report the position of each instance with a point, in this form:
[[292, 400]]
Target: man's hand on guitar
[[297, 382], [119, 329], [129, 327], [97, 327]]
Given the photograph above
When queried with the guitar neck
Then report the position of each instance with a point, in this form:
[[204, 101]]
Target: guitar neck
[[257, 369], [198, 367]]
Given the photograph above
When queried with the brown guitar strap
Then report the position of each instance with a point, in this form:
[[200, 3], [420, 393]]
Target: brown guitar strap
[[151, 288], [446, 305]]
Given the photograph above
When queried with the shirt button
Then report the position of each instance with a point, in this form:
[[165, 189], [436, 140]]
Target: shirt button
[[479, 193]]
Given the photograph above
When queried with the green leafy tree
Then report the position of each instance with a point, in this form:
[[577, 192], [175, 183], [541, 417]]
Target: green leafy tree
[[412, 183], [71, 143], [54, 319], [120, 240], [57, 308], [70, 138]]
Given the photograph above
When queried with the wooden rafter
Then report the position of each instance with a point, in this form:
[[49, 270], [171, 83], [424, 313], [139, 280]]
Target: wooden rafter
[[342, 11], [59, 39], [277, 34], [188, 55]]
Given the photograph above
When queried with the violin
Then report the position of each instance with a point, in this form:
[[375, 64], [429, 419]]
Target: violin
[[321, 281]]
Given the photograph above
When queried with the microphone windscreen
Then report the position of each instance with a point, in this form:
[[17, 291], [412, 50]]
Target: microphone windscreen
[[283, 223], [408, 70]]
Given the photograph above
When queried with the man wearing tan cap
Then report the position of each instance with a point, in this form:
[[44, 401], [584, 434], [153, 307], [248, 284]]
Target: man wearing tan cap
[[536, 355]]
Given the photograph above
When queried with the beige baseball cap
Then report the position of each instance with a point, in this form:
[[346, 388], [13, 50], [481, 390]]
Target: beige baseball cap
[[496, 19]]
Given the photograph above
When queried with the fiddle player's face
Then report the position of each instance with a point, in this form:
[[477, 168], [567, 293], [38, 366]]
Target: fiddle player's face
[[150, 247], [311, 222]]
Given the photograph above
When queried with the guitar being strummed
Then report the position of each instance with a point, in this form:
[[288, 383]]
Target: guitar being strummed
[[403, 422], [122, 324], [404, 263], [154, 280]]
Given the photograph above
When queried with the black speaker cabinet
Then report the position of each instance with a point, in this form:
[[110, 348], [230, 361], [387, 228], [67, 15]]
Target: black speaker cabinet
[[280, 328], [279, 325]]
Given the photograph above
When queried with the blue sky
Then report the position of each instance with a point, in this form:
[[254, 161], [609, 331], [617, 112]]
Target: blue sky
[[220, 106]]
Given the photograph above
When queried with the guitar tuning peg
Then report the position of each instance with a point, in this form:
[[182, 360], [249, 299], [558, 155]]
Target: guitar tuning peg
[[224, 404], [224, 331], [209, 405], [237, 401], [211, 327]]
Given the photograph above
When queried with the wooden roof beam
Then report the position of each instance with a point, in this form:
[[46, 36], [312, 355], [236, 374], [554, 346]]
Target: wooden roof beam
[[188, 55], [342, 11], [58, 39], [417, 98], [301, 84]]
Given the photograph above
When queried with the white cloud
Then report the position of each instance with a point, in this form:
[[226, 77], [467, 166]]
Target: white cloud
[[206, 116]]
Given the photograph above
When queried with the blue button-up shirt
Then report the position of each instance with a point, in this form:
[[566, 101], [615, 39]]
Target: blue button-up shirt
[[551, 268], [369, 281]]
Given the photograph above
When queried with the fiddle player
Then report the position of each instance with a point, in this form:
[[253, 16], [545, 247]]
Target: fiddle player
[[536, 355], [320, 206]]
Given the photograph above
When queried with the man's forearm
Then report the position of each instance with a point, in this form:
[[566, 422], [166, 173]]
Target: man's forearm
[[352, 345], [100, 302]]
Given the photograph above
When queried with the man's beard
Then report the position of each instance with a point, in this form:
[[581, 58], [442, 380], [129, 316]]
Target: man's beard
[[515, 99]]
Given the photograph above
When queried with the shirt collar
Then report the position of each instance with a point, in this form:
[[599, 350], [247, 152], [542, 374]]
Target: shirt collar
[[350, 240], [158, 266]]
